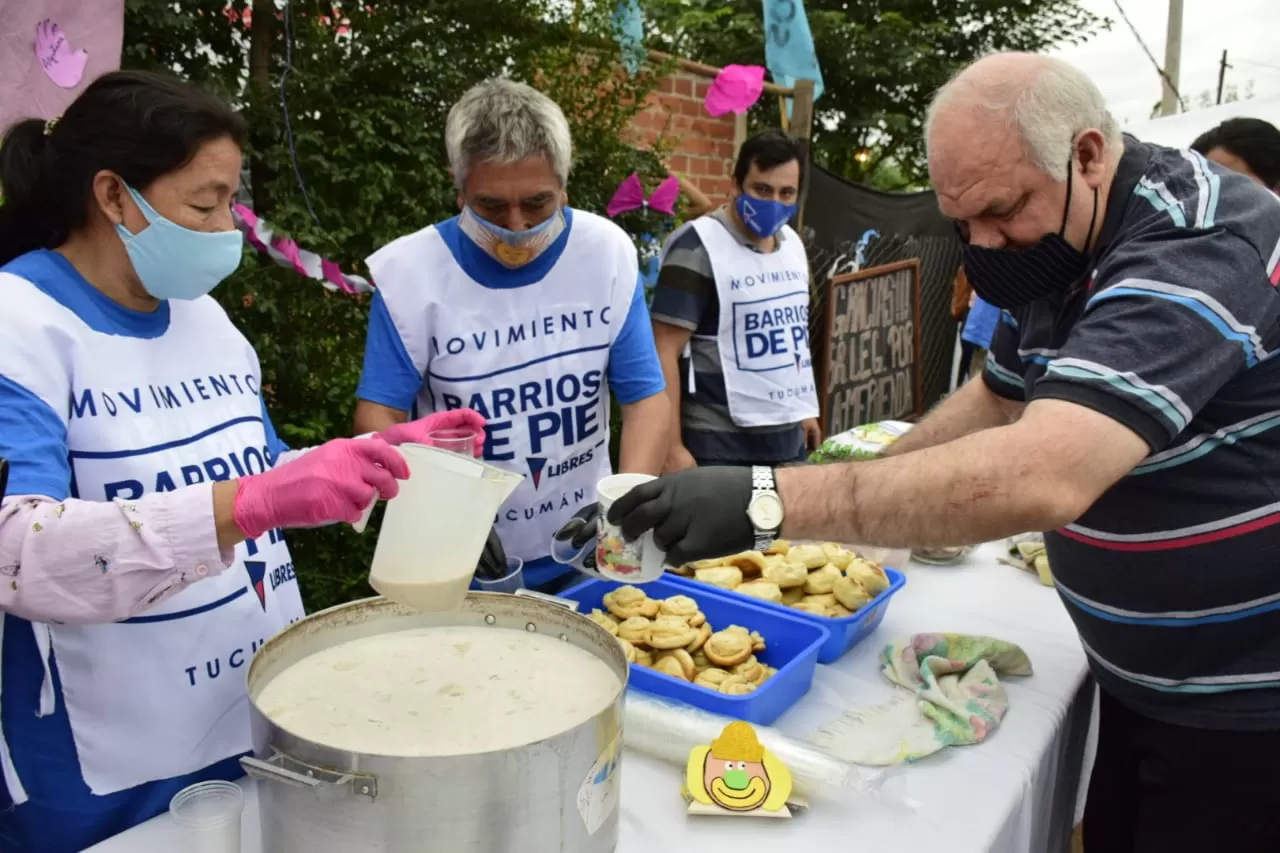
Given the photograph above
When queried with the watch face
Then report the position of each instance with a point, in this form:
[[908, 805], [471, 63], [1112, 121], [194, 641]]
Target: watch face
[[766, 512]]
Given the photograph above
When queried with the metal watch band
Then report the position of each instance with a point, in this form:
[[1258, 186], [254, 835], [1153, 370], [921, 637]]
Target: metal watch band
[[762, 480]]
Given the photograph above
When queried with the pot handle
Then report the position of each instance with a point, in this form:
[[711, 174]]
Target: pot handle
[[327, 784], [566, 603]]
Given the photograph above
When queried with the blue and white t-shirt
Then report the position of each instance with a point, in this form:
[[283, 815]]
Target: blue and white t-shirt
[[534, 349], [103, 723]]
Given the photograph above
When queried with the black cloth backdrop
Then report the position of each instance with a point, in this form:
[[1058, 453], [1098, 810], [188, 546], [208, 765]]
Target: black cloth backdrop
[[838, 213]]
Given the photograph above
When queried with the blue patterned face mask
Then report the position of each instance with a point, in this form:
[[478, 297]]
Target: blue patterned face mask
[[173, 262], [765, 217], [511, 248]]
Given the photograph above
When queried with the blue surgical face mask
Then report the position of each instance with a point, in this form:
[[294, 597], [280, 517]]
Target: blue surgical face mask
[[764, 217], [511, 248], [173, 262]]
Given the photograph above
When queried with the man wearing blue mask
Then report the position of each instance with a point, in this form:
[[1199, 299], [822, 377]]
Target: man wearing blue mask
[[731, 321], [529, 312]]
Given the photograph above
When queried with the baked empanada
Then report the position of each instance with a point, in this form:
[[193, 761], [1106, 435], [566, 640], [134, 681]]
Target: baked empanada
[[812, 556], [762, 589], [725, 577], [837, 555], [779, 546], [851, 593], [870, 575], [635, 630], [605, 621], [750, 669], [696, 644], [711, 678], [807, 606], [727, 648], [684, 659], [752, 563], [671, 632], [794, 594], [736, 685], [670, 666], [820, 581], [627, 601], [678, 605], [787, 575]]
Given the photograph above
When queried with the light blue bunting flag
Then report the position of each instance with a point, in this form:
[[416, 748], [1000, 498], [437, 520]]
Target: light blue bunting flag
[[628, 29], [788, 46]]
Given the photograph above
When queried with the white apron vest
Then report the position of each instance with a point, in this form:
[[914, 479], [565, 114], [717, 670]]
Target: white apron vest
[[764, 327], [163, 694], [533, 360]]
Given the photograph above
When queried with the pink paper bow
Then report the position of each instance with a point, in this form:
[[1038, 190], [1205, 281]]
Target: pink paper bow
[[735, 89], [630, 196]]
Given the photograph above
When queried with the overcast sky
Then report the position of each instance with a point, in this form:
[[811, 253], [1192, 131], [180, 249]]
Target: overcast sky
[[1246, 29]]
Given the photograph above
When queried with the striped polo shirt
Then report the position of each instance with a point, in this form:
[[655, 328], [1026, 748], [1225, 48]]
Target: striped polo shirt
[[686, 296], [1173, 576]]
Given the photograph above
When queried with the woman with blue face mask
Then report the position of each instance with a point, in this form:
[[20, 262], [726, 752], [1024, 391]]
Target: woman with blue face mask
[[142, 559]]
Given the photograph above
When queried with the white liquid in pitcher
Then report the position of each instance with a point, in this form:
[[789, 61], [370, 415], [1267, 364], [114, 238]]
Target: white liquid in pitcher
[[425, 596], [440, 691]]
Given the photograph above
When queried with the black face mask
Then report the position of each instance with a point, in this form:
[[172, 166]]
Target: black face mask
[[1010, 278]]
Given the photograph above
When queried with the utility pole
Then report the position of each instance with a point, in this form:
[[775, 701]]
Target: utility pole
[[1222, 74], [1172, 59]]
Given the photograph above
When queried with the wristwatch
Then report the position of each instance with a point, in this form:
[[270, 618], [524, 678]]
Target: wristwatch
[[765, 507]]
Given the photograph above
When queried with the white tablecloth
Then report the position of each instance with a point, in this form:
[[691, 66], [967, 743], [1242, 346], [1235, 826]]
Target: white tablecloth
[[1015, 793]]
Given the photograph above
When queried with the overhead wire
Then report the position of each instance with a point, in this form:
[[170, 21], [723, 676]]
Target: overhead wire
[[284, 107], [1159, 68]]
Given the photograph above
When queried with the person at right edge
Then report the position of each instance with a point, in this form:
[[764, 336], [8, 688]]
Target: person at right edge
[[731, 319], [1130, 406]]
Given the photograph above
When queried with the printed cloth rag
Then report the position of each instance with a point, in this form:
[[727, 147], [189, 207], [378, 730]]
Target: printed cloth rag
[[954, 698]]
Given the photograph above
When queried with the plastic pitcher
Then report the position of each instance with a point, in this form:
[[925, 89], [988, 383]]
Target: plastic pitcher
[[434, 531]]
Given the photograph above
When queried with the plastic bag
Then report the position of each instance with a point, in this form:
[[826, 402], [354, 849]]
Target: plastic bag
[[669, 732]]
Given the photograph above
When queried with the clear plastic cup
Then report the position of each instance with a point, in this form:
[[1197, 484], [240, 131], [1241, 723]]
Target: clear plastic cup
[[512, 581], [209, 815], [460, 441]]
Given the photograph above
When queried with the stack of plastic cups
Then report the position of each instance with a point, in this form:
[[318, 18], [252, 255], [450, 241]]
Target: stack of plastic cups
[[209, 815], [509, 583]]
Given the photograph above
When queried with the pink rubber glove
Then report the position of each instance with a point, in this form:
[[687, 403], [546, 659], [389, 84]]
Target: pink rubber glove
[[416, 432], [333, 482]]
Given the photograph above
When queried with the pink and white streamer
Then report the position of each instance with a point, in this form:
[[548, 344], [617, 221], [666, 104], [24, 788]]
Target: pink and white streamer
[[287, 253]]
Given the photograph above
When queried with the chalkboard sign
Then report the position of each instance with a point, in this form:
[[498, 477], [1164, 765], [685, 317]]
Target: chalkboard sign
[[872, 366]]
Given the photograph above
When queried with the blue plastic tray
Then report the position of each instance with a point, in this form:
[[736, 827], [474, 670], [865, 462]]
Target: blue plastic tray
[[792, 647], [844, 633]]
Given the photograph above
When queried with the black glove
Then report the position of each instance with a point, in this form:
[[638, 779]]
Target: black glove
[[579, 531], [695, 514], [493, 560]]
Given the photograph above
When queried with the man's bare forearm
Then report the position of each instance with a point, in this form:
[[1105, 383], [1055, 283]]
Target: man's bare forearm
[[375, 417], [975, 489], [645, 435], [970, 409]]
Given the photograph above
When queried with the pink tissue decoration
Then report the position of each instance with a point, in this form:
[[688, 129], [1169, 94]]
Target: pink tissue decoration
[[630, 196], [735, 89]]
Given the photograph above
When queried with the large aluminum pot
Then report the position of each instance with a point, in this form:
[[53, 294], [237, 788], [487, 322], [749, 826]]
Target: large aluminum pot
[[559, 795]]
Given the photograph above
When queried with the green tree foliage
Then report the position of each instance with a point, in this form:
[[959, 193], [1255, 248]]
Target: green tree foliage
[[368, 89], [367, 108], [881, 61]]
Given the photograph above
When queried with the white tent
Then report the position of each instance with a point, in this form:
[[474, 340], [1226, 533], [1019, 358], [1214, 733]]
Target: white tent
[[1179, 131]]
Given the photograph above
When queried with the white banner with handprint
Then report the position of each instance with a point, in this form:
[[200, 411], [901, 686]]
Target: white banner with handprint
[[51, 49]]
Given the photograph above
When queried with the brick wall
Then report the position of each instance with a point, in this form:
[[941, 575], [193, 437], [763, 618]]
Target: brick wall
[[702, 144]]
